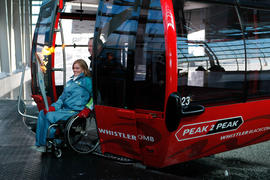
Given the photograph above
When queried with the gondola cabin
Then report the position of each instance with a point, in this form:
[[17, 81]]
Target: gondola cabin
[[174, 80]]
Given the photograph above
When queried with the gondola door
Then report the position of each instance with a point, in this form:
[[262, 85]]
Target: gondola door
[[114, 46], [130, 78], [42, 59]]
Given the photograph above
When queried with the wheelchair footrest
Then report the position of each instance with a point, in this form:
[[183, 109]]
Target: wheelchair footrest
[[54, 143]]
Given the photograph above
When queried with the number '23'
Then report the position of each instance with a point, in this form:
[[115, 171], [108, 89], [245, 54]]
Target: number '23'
[[185, 101]]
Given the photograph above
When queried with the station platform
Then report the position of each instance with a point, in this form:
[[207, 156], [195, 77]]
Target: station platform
[[19, 161]]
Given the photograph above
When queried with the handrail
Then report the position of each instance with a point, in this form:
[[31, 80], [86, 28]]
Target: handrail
[[207, 48], [20, 96]]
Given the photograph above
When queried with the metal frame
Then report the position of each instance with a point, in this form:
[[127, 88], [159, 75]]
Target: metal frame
[[20, 96]]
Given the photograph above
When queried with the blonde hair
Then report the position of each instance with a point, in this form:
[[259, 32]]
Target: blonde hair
[[83, 65]]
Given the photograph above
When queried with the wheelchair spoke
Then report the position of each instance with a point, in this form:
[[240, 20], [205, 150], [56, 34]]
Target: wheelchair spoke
[[82, 135]]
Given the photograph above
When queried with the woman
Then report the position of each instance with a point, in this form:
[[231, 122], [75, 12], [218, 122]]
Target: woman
[[74, 99]]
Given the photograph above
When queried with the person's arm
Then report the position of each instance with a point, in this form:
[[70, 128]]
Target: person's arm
[[55, 106], [59, 103], [90, 105]]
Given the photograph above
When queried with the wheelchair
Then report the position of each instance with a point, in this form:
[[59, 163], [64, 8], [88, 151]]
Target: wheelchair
[[79, 134]]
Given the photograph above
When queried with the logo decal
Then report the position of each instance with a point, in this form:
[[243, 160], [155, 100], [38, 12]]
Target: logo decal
[[191, 131]]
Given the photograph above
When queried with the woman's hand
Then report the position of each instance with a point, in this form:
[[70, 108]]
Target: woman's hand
[[84, 113]]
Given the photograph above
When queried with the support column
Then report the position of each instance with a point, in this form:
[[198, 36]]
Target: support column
[[4, 36], [27, 32], [11, 36], [23, 29], [30, 20], [17, 32]]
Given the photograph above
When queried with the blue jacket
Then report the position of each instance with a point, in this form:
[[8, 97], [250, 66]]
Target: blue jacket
[[74, 98], [76, 94]]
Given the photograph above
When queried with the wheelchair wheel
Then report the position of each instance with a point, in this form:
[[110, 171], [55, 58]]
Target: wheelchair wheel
[[82, 134]]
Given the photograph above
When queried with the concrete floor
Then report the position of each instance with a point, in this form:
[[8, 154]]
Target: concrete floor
[[19, 161]]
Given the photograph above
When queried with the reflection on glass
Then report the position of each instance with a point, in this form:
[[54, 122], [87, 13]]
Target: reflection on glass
[[211, 56], [256, 24], [132, 58], [43, 37]]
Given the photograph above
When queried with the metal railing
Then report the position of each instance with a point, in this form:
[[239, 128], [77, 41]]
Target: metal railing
[[20, 101]]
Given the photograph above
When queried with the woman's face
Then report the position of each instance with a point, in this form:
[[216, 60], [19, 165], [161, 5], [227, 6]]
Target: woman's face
[[77, 70]]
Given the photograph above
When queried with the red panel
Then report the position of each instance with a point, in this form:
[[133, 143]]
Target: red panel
[[202, 135], [191, 141], [61, 4], [153, 137], [171, 49], [117, 131]]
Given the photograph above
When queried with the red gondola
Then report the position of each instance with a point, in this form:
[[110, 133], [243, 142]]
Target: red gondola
[[173, 80]]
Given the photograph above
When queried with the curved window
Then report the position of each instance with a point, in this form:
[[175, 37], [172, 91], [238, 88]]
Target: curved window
[[211, 56], [43, 36], [256, 24], [129, 64]]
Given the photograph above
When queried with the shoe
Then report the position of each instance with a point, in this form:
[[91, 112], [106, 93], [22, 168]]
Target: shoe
[[39, 148], [34, 147]]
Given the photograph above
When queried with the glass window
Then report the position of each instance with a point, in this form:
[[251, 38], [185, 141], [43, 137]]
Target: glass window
[[150, 61], [256, 24], [254, 3], [211, 56], [130, 59], [115, 34], [45, 24]]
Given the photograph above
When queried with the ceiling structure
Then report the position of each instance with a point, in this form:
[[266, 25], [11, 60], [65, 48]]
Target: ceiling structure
[[89, 6], [84, 1]]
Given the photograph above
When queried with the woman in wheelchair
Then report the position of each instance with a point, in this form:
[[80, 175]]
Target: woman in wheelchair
[[75, 99]]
